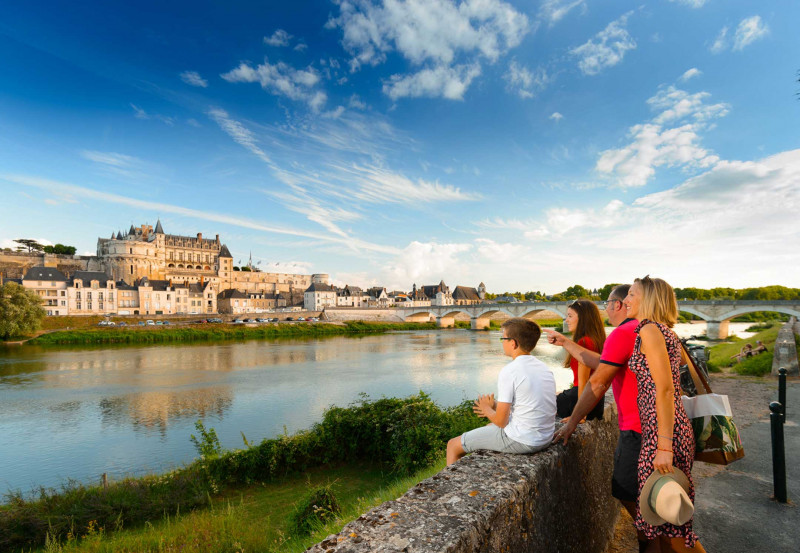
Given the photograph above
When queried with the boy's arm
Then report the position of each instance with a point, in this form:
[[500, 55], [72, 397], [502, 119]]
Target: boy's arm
[[496, 411]]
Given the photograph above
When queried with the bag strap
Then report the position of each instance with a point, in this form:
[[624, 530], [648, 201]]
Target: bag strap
[[699, 378]]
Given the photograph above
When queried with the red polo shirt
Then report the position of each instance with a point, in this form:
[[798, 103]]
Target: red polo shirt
[[617, 351]]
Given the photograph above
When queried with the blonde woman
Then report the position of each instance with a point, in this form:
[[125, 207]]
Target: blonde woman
[[667, 437]]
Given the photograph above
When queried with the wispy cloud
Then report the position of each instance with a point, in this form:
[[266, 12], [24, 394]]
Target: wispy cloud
[[193, 78], [555, 116], [690, 74], [749, 30], [553, 11], [278, 38], [670, 139], [524, 82], [228, 219], [691, 3], [281, 79], [606, 49], [140, 113], [240, 134], [116, 163], [720, 42]]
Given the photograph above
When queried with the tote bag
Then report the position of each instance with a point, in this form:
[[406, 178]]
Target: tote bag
[[716, 437]]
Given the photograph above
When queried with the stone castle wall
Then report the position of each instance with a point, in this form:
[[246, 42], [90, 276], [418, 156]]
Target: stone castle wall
[[15, 265]]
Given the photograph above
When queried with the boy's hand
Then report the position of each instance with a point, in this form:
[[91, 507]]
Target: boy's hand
[[554, 337], [484, 405]]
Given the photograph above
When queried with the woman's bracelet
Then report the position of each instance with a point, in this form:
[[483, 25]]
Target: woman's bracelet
[[665, 437], [667, 450]]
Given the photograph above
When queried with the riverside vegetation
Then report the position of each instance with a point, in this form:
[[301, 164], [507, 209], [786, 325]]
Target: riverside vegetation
[[720, 359], [396, 441]]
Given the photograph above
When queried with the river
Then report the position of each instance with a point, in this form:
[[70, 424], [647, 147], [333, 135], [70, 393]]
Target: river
[[77, 412]]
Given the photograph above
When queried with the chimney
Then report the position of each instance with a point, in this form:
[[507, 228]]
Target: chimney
[[217, 238], [199, 235]]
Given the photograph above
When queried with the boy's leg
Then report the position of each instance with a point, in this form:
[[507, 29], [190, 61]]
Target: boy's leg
[[455, 450]]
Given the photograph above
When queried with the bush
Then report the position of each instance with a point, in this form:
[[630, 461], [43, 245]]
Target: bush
[[758, 365], [315, 509]]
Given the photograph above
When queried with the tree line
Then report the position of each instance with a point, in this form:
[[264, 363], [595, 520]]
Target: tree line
[[762, 293]]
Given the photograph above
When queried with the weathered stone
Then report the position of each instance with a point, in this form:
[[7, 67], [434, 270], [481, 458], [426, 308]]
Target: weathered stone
[[785, 354], [555, 500]]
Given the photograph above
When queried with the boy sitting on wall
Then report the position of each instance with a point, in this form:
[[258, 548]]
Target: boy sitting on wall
[[522, 419]]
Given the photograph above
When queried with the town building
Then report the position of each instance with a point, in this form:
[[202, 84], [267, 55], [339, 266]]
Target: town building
[[50, 285], [318, 296]]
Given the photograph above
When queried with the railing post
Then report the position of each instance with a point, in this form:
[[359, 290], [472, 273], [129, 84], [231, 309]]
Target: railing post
[[778, 453], [782, 392]]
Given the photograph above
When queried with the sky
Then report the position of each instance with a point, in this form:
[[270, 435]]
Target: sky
[[530, 145]]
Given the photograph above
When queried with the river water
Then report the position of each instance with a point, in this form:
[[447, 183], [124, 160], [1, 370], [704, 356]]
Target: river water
[[75, 413]]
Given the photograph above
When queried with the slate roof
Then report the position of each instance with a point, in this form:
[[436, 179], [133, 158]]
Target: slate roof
[[159, 228], [119, 235], [466, 293], [89, 276], [375, 291], [317, 287], [44, 273], [122, 285], [224, 252], [231, 293]]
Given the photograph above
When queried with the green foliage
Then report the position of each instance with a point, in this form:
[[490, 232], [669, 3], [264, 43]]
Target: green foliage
[[764, 293], [32, 245], [399, 435], [758, 365], [760, 327], [317, 507], [60, 249], [20, 311], [136, 335], [575, 292], [720, 355], [208, 444], [605, 291]]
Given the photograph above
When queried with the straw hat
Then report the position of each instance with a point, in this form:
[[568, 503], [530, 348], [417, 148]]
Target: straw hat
[[665, 498]]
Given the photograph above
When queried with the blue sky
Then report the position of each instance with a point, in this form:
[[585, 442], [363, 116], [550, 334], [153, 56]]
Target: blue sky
[[527, 144]]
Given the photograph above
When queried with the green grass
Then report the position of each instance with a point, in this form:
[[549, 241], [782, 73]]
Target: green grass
[[720, 355], [254, 518], [216, 332]]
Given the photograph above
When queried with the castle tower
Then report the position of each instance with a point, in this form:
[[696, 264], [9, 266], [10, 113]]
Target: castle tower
[[482, 291]]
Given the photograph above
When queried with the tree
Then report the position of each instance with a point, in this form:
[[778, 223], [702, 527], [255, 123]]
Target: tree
[[576, 292], [605, 291], [20, 311], [60, 249], [32, 245]]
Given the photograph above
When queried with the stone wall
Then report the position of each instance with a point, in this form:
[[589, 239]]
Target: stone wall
[[555, 500], [356, 314], [16, 264], [785, 354]]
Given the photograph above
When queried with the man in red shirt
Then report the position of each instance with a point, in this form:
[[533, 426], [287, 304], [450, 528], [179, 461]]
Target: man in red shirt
[[611, 369]]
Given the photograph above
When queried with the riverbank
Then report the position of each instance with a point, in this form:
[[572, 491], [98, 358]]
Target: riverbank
[[722, 356], [395, 437], [216, 332]]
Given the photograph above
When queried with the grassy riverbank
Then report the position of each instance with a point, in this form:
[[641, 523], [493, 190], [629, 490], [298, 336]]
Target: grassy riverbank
[[216, 332], [721, 356], [394, 437]]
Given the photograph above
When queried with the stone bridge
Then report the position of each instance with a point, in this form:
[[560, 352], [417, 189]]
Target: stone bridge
[[716, 313]]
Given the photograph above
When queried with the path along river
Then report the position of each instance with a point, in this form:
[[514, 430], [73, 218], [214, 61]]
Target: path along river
[[75, 413]]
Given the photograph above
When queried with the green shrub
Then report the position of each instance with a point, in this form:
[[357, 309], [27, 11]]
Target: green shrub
[[758, 365], [315, 509]]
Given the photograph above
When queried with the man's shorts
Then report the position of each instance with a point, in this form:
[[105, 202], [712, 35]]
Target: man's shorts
[[494, 438], [625, 479]]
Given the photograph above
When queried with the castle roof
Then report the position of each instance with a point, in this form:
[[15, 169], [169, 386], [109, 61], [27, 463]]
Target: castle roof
[[132, 231], [45, 273], [159, 228], [224, 252], [317, 287], [466, 293], [119, 235], [88, 276]]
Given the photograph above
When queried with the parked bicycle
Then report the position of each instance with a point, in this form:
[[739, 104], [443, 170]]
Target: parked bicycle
[[699, 354]]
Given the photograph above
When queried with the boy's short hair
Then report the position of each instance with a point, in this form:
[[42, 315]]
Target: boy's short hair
[[524, 331]]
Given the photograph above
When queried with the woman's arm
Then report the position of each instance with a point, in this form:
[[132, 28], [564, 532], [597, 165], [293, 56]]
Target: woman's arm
[[654, 349]]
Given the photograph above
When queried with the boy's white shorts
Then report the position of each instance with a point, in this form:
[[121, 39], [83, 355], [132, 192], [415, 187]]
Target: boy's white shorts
[[494, 438]]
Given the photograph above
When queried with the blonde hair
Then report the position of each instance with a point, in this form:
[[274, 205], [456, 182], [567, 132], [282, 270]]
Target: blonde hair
[[658, 302]]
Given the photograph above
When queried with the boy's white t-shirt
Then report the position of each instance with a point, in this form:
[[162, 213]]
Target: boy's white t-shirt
[[530, 387]]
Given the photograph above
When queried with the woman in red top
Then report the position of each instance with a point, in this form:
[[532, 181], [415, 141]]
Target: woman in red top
[[586, 325]]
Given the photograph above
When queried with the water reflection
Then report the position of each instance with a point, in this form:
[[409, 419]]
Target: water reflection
[[79, 412]]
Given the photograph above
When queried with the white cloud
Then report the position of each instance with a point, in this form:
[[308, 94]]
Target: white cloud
[[670, 139], [690, 74], [606, 48], [425, 263], [523, 81], [356, 103], [748, 31], [193, 78], [139, 113], [691, 3], [555, 116], [553, 11], [447, 82], [721, 42], [282, 80], [116, 163], [278, 38], [240, 134]]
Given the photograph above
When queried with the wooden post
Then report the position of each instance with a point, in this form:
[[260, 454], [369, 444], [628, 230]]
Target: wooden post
[[104, 478]]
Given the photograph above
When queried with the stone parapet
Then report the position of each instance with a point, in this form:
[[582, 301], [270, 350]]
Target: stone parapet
[[555, 500], [785, 354]]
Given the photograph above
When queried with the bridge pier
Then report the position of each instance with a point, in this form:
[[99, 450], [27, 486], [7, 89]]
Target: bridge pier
[[564, 327], [717, 330], [478, 324], [445, 322]]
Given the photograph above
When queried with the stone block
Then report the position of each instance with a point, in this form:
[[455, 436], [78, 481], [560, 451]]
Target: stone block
[[555, 500], [785, 354]]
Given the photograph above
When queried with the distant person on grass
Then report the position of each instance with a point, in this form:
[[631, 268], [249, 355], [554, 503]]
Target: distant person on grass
[[522, 419], [586, 325]]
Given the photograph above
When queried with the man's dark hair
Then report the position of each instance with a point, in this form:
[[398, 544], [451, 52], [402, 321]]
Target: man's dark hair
[[524, 331], [619, 292]]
